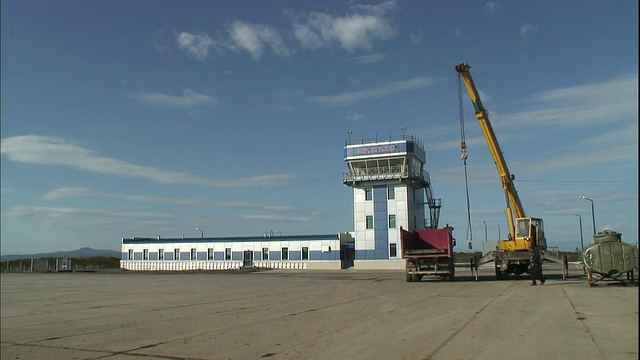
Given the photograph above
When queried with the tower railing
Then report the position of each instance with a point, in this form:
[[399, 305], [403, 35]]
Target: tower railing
[[377, 139]]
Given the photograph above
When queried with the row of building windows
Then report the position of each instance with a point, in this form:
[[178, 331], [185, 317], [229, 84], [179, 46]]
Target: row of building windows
[[227, 254], [369, 221], [391, 193]]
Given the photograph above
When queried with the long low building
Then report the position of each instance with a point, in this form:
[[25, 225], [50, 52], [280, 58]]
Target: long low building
[[333, 251]]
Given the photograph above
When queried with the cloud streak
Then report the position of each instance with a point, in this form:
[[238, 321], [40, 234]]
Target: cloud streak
[[49, 150], [387, 89], [188, 99], [70, 192], [590, 104]]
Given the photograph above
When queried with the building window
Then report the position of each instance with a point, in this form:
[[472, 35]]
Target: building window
[[393, 250], [285, 253], [160, 254], [391, 192], [145, 254], [176, 254], [265, 253], [193, 254], [369, 221], [305, 253], [368, 194], [130, 254], [210, 254], [227, 253], [392, 221]]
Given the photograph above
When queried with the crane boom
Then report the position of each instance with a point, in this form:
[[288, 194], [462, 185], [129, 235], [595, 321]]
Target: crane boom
[[520, 230]]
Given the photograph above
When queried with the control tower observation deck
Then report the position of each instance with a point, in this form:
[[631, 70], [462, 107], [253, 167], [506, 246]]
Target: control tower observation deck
[[390, 190]]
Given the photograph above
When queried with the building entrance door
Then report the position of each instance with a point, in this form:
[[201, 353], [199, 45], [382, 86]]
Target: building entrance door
[[247, 259]]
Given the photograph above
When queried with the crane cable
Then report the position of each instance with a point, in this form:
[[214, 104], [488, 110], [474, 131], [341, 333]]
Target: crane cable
[[463, 157]]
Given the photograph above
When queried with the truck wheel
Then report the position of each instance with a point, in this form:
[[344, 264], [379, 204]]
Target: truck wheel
[[416, 277], [408, 277], [498, 273]]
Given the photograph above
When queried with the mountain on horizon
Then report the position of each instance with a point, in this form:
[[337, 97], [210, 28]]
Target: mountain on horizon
[[85, 252]]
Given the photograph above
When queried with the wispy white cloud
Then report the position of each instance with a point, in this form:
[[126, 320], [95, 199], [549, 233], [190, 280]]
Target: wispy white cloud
[[161, 44], [70, 192], [617, 146], [390, 88], [369, 59], [188, 99], [589, 104], [252, 38], [197, 46], [358, 30], [48, 150], [56, 213], [416, 37], [491, 7], [273, 218], [527, 28], [354, 116], [381, 9], [352, 32], [82, 219]]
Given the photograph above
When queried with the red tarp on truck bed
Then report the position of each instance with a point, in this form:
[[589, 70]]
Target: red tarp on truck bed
[[429, 239]]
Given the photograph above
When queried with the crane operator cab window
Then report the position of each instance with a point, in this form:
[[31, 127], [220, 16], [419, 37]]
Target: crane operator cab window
[[522, 227], [532, 229], [541, 240]]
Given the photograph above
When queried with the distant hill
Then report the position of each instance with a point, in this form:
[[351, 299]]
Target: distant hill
[[85, 252]]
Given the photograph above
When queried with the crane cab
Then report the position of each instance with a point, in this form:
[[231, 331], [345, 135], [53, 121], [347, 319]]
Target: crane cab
[[528, 230]]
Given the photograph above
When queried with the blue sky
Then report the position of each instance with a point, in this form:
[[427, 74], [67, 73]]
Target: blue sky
[[146, 118]]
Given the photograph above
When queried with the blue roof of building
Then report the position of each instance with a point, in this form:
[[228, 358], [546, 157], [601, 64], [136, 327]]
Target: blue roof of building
[[139, 240]]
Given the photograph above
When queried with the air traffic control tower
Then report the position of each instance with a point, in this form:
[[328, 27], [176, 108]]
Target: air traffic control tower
[[390, 190]]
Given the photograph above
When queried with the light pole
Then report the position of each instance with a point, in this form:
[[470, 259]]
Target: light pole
[[593, 213], [499, 232], [485, 230], [201, 232], [581, 237]]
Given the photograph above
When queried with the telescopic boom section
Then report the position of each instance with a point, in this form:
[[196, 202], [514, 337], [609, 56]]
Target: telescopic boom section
[[514, 206]]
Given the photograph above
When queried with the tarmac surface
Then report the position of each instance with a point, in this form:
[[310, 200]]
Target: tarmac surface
[[305, 314]]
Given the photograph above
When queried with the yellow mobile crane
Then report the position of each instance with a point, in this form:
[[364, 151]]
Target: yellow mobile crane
[[511, 255]]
